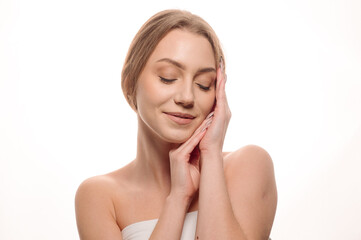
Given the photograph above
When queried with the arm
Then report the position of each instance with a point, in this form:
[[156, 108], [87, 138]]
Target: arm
[[252, 190], [216, 219], [94, 206], [184, 170], [170, 222], [240, 205], [94, 209]]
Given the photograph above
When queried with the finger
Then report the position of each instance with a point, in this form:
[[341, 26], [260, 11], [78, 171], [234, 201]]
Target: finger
[[222, 92], [221, 75], [199, 131], [193, 141], [219, 81], [210, 115], [194, 157]]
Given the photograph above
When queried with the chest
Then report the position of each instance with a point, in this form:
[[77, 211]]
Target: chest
[[143, 230], [136, 206]]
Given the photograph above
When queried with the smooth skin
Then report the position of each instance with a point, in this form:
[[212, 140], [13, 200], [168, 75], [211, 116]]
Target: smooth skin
[[181, 168]]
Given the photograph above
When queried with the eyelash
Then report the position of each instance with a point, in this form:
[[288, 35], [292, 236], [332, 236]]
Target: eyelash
[[165, 80], [203, 87], [168, 81]]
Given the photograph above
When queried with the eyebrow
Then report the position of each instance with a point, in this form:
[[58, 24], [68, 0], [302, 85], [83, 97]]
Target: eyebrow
[[181, 66]]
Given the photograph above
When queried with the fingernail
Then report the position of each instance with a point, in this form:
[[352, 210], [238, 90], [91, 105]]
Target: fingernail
[[221, 64], [205, 128], [210, 115], [207, 125]]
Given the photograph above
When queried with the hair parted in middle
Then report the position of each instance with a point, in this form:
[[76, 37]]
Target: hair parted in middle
[[148, 37]]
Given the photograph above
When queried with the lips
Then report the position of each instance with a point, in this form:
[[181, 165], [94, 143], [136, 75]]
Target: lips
[[181, 115], [180, 118]]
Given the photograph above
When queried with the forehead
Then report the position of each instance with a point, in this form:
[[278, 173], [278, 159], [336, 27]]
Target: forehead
[[185, 47]]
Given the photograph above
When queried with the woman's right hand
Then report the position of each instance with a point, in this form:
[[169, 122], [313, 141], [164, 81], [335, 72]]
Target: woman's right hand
[[184, 164]]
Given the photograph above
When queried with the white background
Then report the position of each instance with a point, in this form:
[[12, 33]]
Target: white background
[[294, 88]]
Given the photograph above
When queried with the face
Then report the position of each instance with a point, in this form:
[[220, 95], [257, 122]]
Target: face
[[176, 89]]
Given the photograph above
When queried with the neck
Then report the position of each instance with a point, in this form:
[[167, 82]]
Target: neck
[[152, 160]]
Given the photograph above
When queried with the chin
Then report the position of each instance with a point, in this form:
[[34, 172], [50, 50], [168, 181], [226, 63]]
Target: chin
[[177, 137]]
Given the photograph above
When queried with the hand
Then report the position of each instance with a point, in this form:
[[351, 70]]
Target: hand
[[212, 142], [184, 164]]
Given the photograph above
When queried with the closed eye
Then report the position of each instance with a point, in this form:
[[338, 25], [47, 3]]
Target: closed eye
[[203, 87], [167, 81]]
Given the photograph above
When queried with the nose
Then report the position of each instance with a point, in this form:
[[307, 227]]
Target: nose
[[185, 96]]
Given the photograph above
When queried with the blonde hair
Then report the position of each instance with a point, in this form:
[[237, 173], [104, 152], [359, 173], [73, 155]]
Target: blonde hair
[[148, 37]]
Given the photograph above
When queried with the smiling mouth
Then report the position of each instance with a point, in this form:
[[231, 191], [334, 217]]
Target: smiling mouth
[[181, 115], [180, 118]]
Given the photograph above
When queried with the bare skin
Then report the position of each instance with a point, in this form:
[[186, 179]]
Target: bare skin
[[235, 193], [126, 199]]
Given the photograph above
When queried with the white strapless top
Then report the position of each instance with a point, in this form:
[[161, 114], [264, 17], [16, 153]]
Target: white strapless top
[[142, 230]]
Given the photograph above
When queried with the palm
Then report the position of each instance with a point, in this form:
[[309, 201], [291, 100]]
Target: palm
[[194, 168]]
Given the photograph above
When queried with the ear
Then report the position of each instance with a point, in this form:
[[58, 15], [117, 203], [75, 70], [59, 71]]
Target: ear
[[133, 101]]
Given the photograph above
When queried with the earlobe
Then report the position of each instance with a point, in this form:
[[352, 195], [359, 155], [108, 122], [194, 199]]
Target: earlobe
[[135, 106], [132, 102]]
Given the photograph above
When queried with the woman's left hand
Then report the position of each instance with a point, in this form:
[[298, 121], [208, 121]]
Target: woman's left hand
[[212, 142]]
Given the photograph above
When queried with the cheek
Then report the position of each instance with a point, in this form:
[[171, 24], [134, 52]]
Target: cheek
[[206, 103], [150, 92]]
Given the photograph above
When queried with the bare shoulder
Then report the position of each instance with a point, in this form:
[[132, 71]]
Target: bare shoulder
[[250, 159], [95, 210], [252, 189], [250, 165], [97, 189], [95, 185], [104, 187], [251, 155]]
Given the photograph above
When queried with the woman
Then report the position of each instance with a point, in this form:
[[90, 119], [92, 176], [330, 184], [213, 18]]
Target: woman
[[180, 184]]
